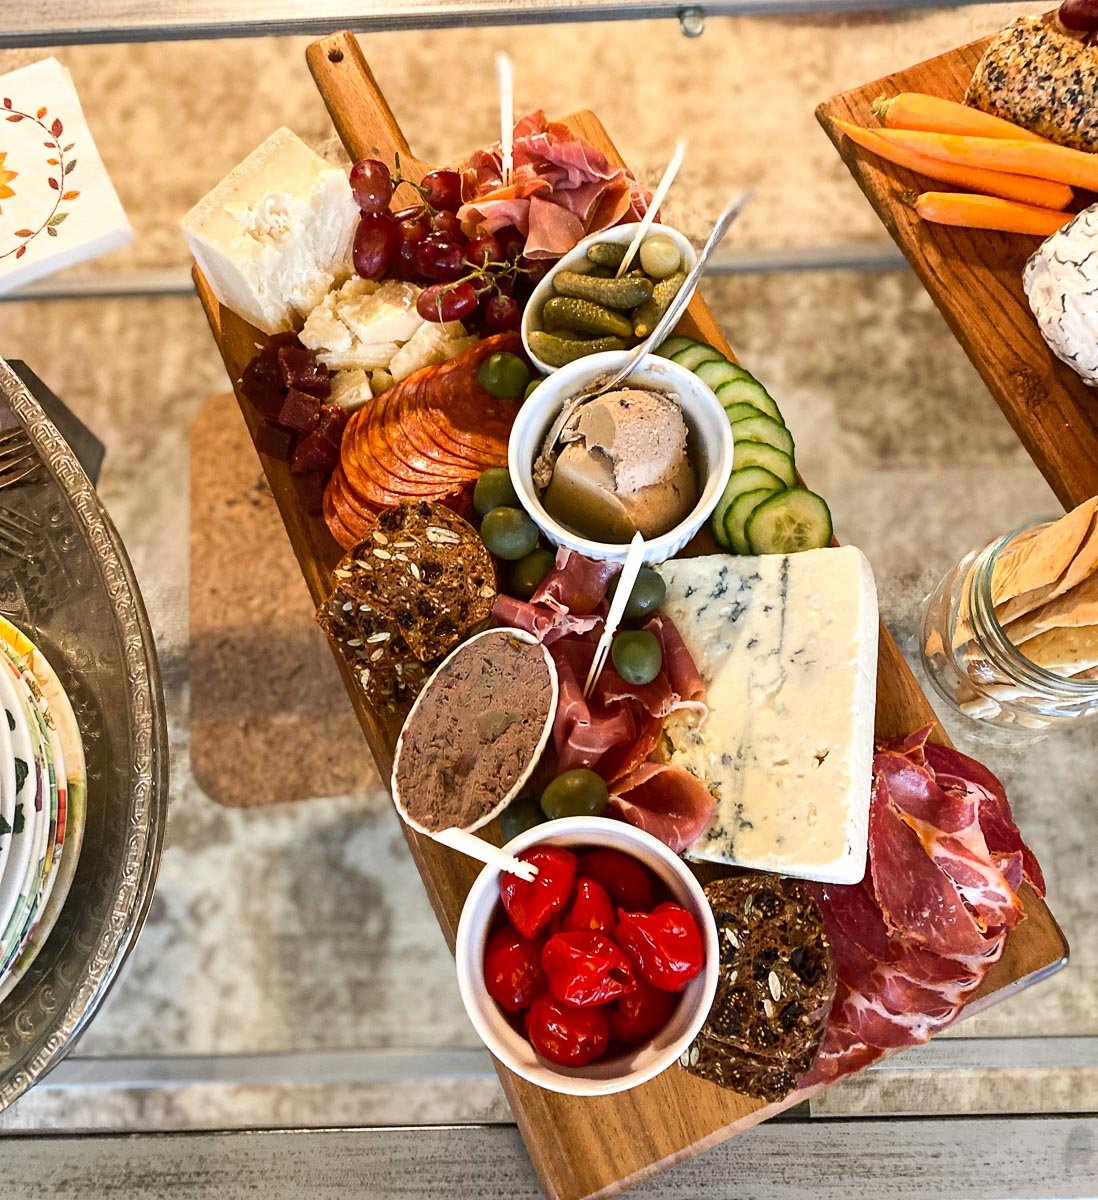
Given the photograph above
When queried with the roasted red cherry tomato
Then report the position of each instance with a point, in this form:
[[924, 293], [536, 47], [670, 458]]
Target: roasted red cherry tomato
[[665, 945], [585, 968], [571, 1037], [644, 1012], [624, 878], [512, 970], [531, 905], [591, 909]]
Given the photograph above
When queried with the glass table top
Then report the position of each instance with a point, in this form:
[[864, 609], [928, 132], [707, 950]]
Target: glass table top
[[291, 971]]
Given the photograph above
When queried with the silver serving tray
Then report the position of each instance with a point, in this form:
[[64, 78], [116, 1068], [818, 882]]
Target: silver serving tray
[[80, 602]]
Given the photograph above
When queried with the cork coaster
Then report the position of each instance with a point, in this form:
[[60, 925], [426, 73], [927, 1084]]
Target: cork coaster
[[269, 717]]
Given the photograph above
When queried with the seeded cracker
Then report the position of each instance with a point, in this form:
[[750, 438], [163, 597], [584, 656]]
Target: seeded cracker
[[419, 583], [776, 987]]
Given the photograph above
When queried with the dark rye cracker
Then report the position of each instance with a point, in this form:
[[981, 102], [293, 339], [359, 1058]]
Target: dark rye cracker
[[416, 585], [775, 991]]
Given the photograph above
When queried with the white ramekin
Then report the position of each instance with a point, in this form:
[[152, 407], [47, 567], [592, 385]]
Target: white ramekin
[[623, 234], [710, 437], [511, 1048]]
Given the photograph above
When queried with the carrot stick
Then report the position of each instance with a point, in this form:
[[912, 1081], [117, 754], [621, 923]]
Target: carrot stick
[[914, 110], [988, 212], [1041, 160], [1010, 187]]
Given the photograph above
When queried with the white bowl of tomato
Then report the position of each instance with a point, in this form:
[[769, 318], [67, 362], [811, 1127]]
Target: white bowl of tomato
[[596, 977]]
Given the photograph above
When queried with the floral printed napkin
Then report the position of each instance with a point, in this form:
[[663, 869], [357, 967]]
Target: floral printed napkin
[[57, 205]]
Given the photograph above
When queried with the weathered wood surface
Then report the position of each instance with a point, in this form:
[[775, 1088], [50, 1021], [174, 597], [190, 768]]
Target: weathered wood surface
[[579, 1147], [975, 278], [962, 1159]]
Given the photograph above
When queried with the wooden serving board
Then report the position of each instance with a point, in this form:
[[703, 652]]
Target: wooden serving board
[[975, 278], [580, 1147]]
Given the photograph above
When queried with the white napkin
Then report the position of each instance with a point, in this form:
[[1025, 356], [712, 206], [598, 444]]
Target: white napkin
[[57, 205]]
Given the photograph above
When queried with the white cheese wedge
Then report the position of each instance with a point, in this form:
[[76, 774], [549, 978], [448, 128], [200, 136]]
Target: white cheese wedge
[[787, 645], [275, 234], [362, 324]]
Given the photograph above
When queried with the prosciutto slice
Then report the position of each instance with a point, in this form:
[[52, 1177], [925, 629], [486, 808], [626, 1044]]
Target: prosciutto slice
[[665, 801], [561, 189], [917, 937], [619, 726]]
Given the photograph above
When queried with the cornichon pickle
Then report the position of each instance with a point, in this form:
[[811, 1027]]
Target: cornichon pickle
[[606, 254], [645, 317], [564, 312], [627, 292], [557, 351]]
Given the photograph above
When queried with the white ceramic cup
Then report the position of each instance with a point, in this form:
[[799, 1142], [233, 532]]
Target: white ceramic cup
[[621, 234], [709, 441], [512, 1048]]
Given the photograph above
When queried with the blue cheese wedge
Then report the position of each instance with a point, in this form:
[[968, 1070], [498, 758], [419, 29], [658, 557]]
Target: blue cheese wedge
[[787, 645], [275, 234]]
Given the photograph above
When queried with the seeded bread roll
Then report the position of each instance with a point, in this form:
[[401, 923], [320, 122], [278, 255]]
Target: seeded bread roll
[[1041, 79], [777, 984]]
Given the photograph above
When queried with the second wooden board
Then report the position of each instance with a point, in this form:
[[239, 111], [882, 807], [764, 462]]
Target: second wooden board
[[975, 278]]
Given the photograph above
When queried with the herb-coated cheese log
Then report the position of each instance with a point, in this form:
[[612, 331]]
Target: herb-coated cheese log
[[1041, 79]]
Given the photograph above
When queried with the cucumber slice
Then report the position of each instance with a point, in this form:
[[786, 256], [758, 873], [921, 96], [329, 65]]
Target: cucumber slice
[[749, 391], [674, 344], [747, 479], [763, 429], [715, 373], [740, 412], [693, 356], [761, 454], [739, 514], [793, 520]]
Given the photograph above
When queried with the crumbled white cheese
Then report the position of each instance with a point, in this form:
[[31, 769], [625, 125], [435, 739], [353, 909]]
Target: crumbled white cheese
[[351, 389], [1061, 281], [362, 324], [275, 234], [431, 343]]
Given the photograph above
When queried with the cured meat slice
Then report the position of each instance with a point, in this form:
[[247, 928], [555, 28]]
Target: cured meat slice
[[917, 937], [665, 801], [576, 584], [581, 736], [954, 769], [682, 672], [546, 624], [916, 897]]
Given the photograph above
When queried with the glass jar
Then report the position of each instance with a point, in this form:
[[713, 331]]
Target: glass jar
[[979, 670]]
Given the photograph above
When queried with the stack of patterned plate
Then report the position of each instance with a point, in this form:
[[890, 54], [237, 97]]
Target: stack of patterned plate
[[42, 801]]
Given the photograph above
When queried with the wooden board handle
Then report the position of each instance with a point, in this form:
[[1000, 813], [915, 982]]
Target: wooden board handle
[[361, 114]]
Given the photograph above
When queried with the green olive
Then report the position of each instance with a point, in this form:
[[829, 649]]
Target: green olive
[[529, 571], [637, 656], [538, 379], [647, 595], [518, 816], [494, 490], [659, 256], [503, 374], [578, 793], [509, 533]]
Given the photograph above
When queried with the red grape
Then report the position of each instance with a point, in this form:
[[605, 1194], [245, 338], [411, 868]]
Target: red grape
[[502, 313], [439, 258], [442, 190], [414, 229], [376, 242], [446, 223], [446, 302], [482, 250], [412, 213], [372, 185], [403, 265], [511, 243]]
